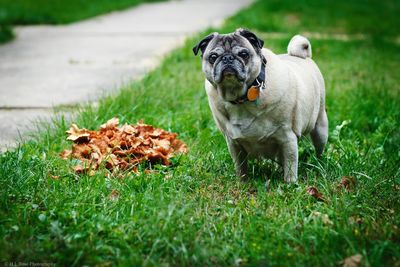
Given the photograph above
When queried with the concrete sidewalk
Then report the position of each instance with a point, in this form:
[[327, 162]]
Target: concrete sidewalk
[[48, 66]]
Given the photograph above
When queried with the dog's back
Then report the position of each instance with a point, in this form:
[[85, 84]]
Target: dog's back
[[310, 83]]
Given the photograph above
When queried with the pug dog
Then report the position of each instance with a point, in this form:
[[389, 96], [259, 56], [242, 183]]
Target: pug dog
[[263, 102]]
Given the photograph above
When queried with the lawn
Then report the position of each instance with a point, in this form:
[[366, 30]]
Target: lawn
[[197, 212], [26, 12]]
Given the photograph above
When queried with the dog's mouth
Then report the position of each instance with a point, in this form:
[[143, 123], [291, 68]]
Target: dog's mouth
[[231, 72]]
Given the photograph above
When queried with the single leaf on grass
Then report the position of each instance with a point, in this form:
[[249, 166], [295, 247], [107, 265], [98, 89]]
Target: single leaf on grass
[[54, 177], [79, 169], [323, 217], [352, 261], [114, 195], [313, 191], [147, 171], [355, 220], [348, 183], [168, 176]]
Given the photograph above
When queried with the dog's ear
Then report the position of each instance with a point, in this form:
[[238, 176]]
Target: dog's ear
[[256, 42], [202, 45]]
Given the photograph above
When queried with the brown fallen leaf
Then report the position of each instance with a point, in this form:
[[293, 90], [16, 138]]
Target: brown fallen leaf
[[355, 220], [65, 154], [179, 146], [348, 183], [147, 171], [323, 217], [168, 176], [128, 129], [110, 124], [55, 177], [252, 191], [352, 261], [313, 191], [79, 169], [114, 195], [81, 151], [104, 264], [77, 135]]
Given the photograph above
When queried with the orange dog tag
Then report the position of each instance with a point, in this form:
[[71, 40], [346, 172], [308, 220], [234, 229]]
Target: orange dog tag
[[253, 93]]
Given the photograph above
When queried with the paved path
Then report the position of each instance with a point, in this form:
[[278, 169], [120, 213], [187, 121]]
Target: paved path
[[48, 66]]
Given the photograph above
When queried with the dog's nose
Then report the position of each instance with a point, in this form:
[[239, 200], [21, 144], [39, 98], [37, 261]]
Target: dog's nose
[[228, 58]]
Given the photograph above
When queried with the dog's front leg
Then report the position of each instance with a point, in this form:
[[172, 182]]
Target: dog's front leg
[[239, 156], [289, 158]]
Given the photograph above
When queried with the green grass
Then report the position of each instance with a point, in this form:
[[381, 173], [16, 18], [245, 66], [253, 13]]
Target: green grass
[[203, 215], [27, 12], [376, 17]]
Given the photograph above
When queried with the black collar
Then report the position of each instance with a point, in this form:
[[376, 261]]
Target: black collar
[[259, 83]]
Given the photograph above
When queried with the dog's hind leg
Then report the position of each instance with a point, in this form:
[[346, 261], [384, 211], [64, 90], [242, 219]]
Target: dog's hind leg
[[319, 135], [289, 157]]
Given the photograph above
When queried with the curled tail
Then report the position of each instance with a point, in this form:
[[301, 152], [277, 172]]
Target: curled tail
[[299, 46]]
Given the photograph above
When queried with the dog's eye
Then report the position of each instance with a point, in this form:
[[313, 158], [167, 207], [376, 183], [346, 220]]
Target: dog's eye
[[212, 58], [244, 55]]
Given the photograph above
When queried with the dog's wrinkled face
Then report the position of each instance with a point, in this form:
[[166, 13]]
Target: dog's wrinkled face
[[231, 62]]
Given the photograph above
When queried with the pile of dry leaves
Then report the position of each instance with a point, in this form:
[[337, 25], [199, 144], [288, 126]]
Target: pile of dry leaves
[[121, 148]]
